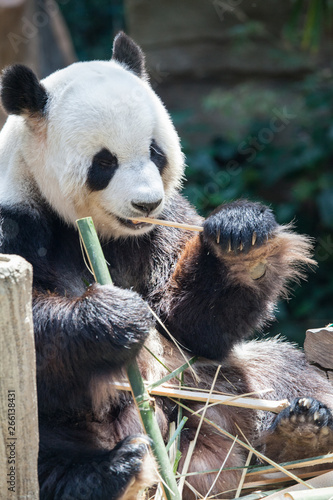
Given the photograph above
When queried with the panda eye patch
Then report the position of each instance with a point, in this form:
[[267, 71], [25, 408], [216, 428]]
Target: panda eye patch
[[102, 169], [157, 156]]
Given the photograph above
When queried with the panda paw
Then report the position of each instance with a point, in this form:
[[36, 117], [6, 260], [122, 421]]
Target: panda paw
[[239, 226], [303, 430], [305, 417], [121, 313], [130, 452], [132, 461]]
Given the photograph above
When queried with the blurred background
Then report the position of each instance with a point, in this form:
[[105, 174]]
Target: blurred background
[[249, 85]]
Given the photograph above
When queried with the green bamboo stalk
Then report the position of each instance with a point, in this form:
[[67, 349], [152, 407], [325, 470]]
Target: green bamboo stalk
[[98, 266], [176, 433], [94, 251]]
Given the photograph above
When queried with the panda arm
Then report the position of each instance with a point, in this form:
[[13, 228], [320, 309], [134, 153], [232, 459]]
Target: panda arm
[[218, 294], [91, 332], [75, 327]]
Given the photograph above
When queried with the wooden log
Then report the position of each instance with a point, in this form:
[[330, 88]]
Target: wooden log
[[18, 399], [318, 347]]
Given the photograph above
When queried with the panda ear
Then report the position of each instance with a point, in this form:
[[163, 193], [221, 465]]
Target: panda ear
[[126, 51], [21, 92]]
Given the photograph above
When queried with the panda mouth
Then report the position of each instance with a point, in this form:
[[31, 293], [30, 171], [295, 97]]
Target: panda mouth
[[132, 225]]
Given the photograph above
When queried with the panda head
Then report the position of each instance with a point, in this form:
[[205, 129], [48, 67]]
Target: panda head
[[92, 139]]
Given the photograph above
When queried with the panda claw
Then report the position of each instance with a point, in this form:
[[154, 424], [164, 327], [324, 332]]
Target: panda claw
[[305, 403], [254, 238], [316, 417]]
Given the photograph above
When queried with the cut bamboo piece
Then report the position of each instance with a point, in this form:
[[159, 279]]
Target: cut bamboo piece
[[317, 494], [179, 225], [251, 403]]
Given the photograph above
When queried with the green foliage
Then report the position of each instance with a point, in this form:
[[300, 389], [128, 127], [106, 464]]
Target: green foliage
[[308, 21], [282, 155]]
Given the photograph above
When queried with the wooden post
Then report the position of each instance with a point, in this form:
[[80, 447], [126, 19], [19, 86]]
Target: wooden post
[[18, 399]]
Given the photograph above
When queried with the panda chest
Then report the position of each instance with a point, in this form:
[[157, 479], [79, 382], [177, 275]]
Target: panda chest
[[130, 269]]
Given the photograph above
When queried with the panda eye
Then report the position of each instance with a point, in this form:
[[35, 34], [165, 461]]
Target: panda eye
[[157, 156], [102, 169], [104, 159]]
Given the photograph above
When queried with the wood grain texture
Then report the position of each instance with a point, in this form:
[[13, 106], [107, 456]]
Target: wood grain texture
[[19, 435], [318, 347]]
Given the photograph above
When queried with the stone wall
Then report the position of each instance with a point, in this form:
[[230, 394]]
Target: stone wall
[[33, 32], [194, 47]]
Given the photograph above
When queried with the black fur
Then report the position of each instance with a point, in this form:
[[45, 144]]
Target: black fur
[[157, 156], [21, 92], [204, 297], [209, 310], [232, 226], [81, 473], [102, 169], [126, 51], [91, 334]]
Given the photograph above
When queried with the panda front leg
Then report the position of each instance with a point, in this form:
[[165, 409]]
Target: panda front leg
[[102, 329], [81, 343], [229, 278]]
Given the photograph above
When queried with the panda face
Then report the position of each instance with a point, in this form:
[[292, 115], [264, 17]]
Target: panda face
[[120, 152], [106, 147]]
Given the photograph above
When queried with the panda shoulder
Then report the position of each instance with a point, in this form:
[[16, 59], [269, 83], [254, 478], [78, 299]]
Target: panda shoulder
[[21, 229]]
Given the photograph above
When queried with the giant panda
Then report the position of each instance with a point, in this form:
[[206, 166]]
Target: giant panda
[[94, 139]]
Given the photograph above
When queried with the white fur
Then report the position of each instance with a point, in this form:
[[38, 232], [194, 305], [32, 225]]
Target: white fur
[[91, 106]]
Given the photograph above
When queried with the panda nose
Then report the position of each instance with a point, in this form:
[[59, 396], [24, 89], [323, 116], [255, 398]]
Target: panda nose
[[146, 208]]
